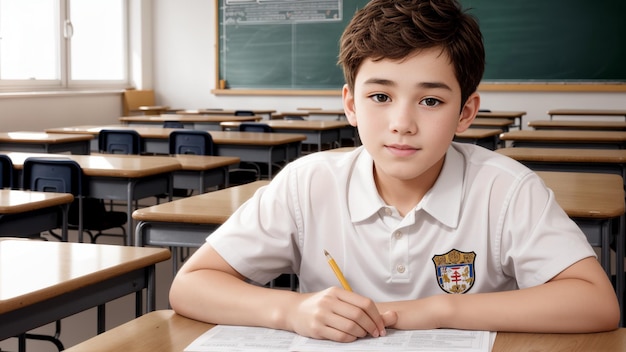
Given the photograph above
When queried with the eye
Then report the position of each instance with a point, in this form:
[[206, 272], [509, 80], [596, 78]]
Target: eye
[[380, 98], [432, 102]]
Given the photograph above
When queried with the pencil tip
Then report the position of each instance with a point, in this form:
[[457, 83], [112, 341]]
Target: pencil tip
[[325, 252]]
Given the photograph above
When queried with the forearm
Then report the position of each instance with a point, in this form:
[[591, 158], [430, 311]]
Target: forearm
[[220, 298], [568, 305]]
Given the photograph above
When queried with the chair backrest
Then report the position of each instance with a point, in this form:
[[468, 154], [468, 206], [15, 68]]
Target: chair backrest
[[191, 142], [132, 99], [6, 172], [255, 127], [119, 141], [173, 124], [244, 113], [52, 175]]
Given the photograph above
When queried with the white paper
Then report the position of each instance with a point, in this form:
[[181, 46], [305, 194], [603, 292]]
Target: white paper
[[241, 338]]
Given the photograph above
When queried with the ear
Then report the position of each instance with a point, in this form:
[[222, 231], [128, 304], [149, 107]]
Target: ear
[[348, 105], [468, 113]]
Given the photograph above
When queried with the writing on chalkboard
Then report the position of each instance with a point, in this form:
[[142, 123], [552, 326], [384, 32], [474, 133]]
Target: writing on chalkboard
[[271, 11]]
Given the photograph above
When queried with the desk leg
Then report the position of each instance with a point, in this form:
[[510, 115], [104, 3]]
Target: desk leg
[[101, 322], [130, 191]]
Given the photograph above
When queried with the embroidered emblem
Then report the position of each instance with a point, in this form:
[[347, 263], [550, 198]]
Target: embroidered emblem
[[455, 271]]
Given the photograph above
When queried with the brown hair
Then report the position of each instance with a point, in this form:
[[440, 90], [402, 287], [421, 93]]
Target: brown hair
[[392, 29]]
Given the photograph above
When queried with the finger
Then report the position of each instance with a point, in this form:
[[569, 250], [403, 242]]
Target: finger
[[367, 315]]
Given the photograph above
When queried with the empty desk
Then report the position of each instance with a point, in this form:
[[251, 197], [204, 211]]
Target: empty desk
[[41, 142], [198, 172], [317, 132], [24, 213], [484, 137], [195, 122], [120, 177], [566, 139], [187, 222], [68, 278], [578, 125], [511, 115], [503, 124], [266, 113], [586, 112]]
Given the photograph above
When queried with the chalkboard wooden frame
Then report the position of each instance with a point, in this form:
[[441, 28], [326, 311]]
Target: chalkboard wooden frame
[[513, 85]]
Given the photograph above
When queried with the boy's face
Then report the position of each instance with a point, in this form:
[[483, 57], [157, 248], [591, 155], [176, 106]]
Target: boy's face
[[407, 113]]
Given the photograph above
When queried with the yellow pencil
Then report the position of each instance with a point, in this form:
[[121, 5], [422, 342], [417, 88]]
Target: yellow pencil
[[338, 272]]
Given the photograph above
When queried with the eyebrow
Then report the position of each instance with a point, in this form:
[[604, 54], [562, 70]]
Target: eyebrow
[[428, 85]]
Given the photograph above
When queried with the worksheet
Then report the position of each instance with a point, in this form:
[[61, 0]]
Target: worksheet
[[253, 339]]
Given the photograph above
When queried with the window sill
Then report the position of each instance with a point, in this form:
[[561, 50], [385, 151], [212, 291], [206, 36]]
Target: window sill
[[59, 93]]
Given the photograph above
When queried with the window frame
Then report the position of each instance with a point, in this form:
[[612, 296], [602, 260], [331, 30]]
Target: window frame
[[65, 82]]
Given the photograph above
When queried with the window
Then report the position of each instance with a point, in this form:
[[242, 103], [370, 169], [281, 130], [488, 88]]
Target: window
[[63, 44]]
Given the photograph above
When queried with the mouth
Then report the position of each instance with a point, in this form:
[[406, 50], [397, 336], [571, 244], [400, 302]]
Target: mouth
[[401, 149]]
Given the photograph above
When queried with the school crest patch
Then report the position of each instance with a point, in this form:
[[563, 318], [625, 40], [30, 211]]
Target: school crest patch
[[455, 271]]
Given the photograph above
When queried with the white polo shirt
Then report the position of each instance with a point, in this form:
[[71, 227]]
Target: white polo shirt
[[487, 224]]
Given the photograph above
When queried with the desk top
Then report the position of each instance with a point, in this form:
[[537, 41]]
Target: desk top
[[207, 208], [479, 133], [108, 165], [33, 271], [313, 125], [495, 122], [579, 125], [574, 155], [188, 118], [219, 137], [221, 111], [316, 111], [204, 162], [18, 201], [501, 114], [164, 330], [41, 137], [589, 112], [565, 136], [587, 195]]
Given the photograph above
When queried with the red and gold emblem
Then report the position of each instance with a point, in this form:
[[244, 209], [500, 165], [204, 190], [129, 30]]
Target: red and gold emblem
[[455, 271]]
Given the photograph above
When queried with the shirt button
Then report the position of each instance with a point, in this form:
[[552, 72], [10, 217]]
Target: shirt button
[[397, 235], [400, 268], [387, 211]]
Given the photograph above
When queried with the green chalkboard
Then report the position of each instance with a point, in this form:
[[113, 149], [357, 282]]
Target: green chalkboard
[[294, 44]]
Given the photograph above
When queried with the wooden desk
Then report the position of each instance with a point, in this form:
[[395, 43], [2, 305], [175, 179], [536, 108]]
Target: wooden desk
[[578, 125], [119, 177], [585, 112], [266, 112], [40, 142], [271, 148], [594, 201], [317, 132], [195, 122], [68, 278], [165, 330], [152, 109], [187, 222], [198, 172], [23, 213], [485, 137], [511, 115], [503, 124], [566, 139]]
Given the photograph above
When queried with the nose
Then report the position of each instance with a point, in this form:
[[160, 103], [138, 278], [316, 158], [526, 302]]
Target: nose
[[403, 120]]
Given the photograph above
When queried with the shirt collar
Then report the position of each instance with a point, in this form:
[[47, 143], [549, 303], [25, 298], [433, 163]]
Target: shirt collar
[[442, 201]]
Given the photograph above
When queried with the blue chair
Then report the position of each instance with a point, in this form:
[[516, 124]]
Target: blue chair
[[6, 172], [244, 113], [86, 215], [190, 142], [255, 127], [112, 141]]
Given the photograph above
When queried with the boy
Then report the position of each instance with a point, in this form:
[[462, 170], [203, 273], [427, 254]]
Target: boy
[[428, 233]]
